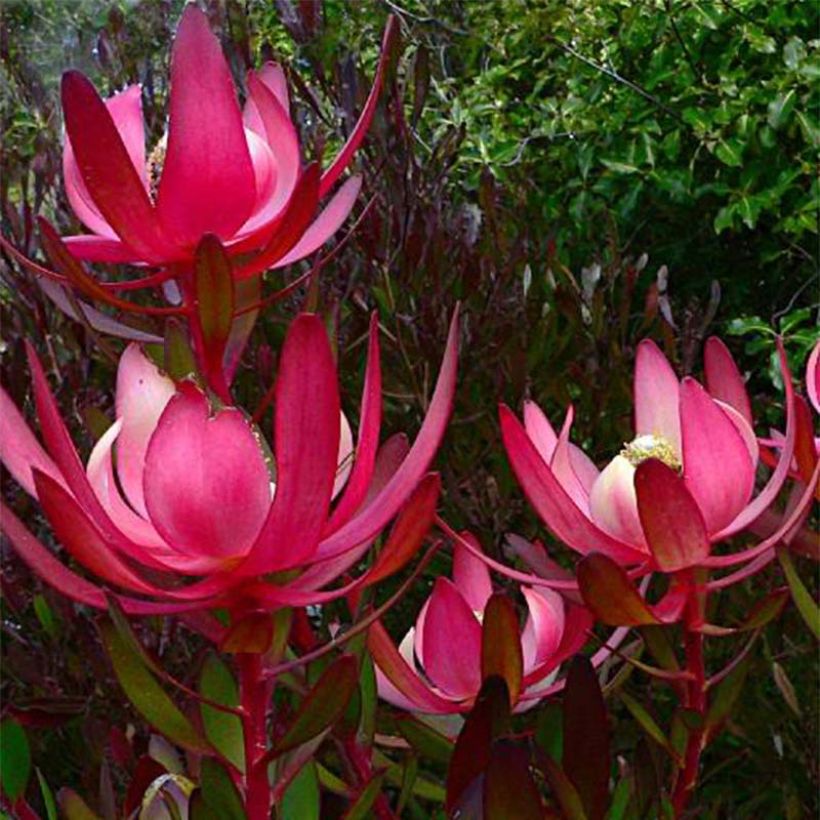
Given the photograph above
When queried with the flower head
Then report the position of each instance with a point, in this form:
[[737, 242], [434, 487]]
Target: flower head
[[219, 170], [437, 667], [177, 491]]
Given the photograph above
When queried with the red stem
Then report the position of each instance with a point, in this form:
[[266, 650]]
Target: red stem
[[360, 760], [254, 695], [695, 693]]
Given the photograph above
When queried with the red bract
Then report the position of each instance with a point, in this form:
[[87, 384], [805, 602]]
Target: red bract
[[438, 666], [685, 482], [237, 175], [192, 494]]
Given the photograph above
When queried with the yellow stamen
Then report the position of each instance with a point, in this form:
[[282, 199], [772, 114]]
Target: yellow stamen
[[651, 446]]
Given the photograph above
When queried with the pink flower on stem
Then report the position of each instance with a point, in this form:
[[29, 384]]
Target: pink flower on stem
[[219, 170], [438, 665], [197, 496]]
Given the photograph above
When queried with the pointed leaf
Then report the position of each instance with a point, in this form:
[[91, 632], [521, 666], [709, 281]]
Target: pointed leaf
[[648, 724], [252, 634], [48, 797], [805, 604], [565, 793], [361, 808], [302, 799], [15, 759], [324, 704], [429, 743], [670, 517], [223, 730], [178, 360], [586, 759], [509, 790], [219, 792], [73, 807], [488, 720], [146, 695], [610, 595], [501, 652]]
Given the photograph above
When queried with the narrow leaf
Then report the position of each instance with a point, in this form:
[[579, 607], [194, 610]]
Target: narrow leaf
[[15, 759], [586, 759], [509, 790], [610, 595], [222, 729], [302, 799], [252, 634], [73, 807], [805, 604], [360, 810], [501, 652], [429, 743], [563, 790], [324, 704], [219, 792], [146, 695], [648, 724]]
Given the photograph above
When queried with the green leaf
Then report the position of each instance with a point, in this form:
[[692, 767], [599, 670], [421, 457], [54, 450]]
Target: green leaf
[[48, 797], [324, 704], [648, 724], [780, 109], [252, 634], [219, 792], [805, 604], [360, 810], [549, 730], [222, 729], [730, 152], [149, 699], [501, 652], [726, 694], [15, 759], [302, 798], [74, 807], [178, 359], [564, 791], [429, 743], [620, 167]]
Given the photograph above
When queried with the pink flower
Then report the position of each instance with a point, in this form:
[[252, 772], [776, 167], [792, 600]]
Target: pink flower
[[219, 170], [437, 667], [683, 483], [195, 493]]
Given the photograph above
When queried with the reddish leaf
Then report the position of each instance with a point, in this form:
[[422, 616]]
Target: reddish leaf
[[586, 758], [610, 595], [489, 718], [323, 706], [670, 517], [253, 634], [509, 790], [501, 645]]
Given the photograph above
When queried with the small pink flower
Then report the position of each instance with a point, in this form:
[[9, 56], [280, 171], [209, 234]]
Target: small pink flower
[[437, 667], [684, 482], [219, 170], [176, 491]]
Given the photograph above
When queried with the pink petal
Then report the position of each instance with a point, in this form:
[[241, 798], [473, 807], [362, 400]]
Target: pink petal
[[365, 118], [306, 446], [114, 185], [717, 469], [723, 379], [584, 468], [207, 488], [73, 586], [813, 377], [656, 395], [613, 504], [563, 468], [452, 642], [544, 628], [326, 224], [551, 501], [207, 183], [125, 109], [390, 499], [272, 75], [91, 248], [673, 524], [20, 451], [345, 457], [369, 429], [403, 678], [471, 576], [142, 394], [76, 532], [745, 430], [539, 430], [767, 495], [280, 135]]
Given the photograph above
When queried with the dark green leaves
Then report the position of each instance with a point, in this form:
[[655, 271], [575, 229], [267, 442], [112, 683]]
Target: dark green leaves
[[15, 759]]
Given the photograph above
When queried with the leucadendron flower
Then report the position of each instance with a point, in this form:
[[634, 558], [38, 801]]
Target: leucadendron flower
[[184, 506]]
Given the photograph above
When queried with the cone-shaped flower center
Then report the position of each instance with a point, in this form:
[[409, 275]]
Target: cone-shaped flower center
[[651, 446]]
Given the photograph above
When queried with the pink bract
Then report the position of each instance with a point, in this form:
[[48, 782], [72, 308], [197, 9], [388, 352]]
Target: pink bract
[[683, 483], [437, 667], [177, 492], [219, 170]]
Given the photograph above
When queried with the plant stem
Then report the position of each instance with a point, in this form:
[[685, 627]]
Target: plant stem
[[254, 695], [695, 693]]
